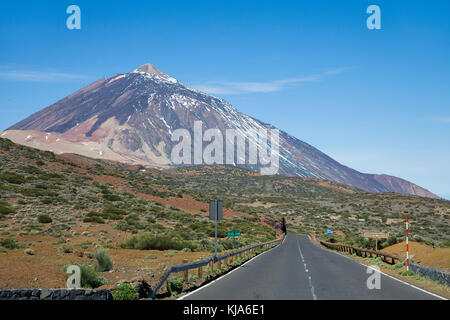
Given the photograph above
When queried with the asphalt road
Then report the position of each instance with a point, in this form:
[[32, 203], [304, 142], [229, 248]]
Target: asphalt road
[[300, 270]]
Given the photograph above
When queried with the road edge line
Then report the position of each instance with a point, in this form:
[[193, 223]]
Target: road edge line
[[228, 273], [387, 275]]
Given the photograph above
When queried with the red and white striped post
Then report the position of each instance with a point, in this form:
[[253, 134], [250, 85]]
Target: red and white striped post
[[407, 247]]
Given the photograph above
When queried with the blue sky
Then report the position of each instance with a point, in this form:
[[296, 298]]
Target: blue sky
[[375, 100]]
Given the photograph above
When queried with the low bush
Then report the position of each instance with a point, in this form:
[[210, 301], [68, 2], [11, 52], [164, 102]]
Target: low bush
[[94, 219], [446, 243], [47, 201], [147, 241], [111, 212], [9, 244], [89, 278], [43, 218], [67, 249], [5, 208], [111, 197], [125, 291], [104, 262], [406, 273], [175, 286], [12, 177]]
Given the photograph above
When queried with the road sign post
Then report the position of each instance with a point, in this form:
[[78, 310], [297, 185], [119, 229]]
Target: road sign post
[[376, 236], [215, 213], [234, 234]]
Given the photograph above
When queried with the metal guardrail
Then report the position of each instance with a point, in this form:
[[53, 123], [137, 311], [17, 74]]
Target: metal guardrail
[[365, 253], [200, 264]]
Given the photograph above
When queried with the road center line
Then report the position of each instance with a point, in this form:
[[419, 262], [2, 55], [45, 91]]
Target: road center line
[[306, 270]]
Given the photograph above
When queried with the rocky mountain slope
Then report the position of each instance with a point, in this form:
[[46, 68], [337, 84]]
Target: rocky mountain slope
[[131, 117]]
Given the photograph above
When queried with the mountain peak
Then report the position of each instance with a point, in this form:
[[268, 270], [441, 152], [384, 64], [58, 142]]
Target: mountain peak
[[131, 117], [148, 68], [151, 70]]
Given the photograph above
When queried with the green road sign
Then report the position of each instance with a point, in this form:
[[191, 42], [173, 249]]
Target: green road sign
[[234, 233]]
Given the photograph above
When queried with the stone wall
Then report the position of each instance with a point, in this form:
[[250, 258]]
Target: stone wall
[[55, 294], [442, 276]]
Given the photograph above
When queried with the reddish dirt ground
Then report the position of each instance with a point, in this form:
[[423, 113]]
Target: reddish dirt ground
[[187, 203], [422, 254], [44, 268], [325, 184]]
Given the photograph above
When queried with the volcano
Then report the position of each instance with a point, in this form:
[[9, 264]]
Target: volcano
[[130, 118]]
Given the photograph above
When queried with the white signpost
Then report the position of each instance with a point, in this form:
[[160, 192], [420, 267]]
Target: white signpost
[[215, 213]]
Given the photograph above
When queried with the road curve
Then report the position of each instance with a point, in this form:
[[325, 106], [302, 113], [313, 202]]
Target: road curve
[[300, 270]]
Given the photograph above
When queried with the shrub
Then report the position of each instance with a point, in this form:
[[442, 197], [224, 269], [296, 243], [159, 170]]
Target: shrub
[[37, 192], [392, 240], [43, 218], [9, 244], [175, 286], [397, 265], [111, 197], [79, 206], [94, 219], [5, 208], [146, 241], [12, 177], [104, 262], [60, 241], [113, 213], [406, 273], [151, 256], [67, 249], [47, 201], [89, 278], [446, 243], [125, 291]]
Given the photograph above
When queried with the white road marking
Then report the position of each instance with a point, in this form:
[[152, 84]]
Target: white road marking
[[222, 277], [309, 277], [387, 275]]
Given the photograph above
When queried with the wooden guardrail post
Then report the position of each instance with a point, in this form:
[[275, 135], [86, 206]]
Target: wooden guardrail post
[[169, 273]]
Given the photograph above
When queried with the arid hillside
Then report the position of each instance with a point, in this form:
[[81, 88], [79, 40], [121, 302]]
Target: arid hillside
[[60, 209]]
